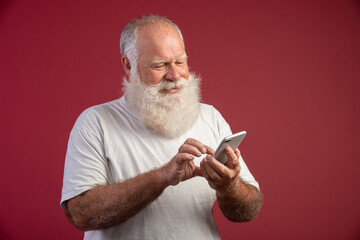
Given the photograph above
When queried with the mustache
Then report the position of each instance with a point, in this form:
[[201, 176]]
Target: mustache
[[165, 85]]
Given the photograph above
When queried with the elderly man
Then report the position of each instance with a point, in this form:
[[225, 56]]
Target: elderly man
[[142, 166]]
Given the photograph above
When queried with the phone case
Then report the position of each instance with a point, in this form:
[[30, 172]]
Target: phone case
[[232, 141]]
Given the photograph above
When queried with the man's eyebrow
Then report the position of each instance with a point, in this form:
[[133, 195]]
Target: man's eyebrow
[[158, 61], [183, 57]]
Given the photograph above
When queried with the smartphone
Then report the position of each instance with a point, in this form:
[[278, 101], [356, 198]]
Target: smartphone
[[232, 141]]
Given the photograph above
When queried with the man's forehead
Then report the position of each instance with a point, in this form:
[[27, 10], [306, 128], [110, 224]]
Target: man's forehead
[[153, 34], [160, 40]]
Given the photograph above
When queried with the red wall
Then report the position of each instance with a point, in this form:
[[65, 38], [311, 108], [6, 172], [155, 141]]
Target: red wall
[[288, 72]]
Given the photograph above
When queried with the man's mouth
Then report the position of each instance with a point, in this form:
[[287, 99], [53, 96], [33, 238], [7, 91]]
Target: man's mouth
[[171, 90]]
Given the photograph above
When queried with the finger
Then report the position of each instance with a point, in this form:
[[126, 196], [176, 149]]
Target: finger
[[187, 148], [205, 174], [233, 160], [182, 158], [217, 166], [212, 173], [209, 150], [197, 171], [203, 171], [200, 146], [237, 152]]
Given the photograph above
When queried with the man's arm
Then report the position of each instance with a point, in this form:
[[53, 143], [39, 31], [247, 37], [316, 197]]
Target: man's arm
[[106, 206], [238, 200], [242, 203]]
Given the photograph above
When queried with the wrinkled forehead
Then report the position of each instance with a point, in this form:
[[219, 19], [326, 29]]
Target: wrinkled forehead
[[159, 39], [156, 27], [156, 32]]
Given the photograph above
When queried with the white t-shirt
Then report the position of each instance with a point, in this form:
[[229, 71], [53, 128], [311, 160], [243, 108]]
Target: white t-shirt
[[109, 144]]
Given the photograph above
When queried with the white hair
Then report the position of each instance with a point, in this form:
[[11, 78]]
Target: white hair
[[129, 36], [170, 115]]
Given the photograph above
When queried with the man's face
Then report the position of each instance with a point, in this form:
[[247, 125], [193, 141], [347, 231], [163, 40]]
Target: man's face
[[161, 55]]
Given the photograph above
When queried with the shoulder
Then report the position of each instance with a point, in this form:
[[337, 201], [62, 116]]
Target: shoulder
[[210, 111], [93, 117], [213, 117]]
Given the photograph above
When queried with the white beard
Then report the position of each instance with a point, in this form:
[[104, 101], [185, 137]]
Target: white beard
[[170, 115]]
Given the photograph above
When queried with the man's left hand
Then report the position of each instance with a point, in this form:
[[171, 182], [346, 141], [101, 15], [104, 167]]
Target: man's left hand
[[219, 176]]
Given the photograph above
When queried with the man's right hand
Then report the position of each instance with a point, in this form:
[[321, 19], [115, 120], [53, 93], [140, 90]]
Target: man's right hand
[[109, 205], [182, 166]]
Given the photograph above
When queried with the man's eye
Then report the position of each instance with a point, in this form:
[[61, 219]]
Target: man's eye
[[158, 66]]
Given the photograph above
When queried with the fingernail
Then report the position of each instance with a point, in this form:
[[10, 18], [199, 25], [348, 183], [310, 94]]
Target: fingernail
[[203, 150]]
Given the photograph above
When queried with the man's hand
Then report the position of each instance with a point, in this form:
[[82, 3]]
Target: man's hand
[[182, 166], [221, 177], [107, 206], [238, 200]]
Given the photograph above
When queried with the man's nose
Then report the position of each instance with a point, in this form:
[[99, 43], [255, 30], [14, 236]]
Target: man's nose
[[172, 73]]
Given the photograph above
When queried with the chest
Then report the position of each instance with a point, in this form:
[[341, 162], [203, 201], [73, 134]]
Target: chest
[[133, 150]]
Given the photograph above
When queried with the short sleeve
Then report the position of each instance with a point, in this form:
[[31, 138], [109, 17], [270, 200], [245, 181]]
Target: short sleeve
[[85, 163]]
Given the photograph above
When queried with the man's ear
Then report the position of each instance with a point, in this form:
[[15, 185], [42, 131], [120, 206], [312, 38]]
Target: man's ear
[[126, 64]]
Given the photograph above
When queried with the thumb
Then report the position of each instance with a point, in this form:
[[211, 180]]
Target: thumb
[[238, 153], [197, 172], [232, 158]]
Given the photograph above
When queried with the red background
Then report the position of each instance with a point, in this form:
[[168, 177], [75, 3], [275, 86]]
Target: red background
[[285, 71]]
